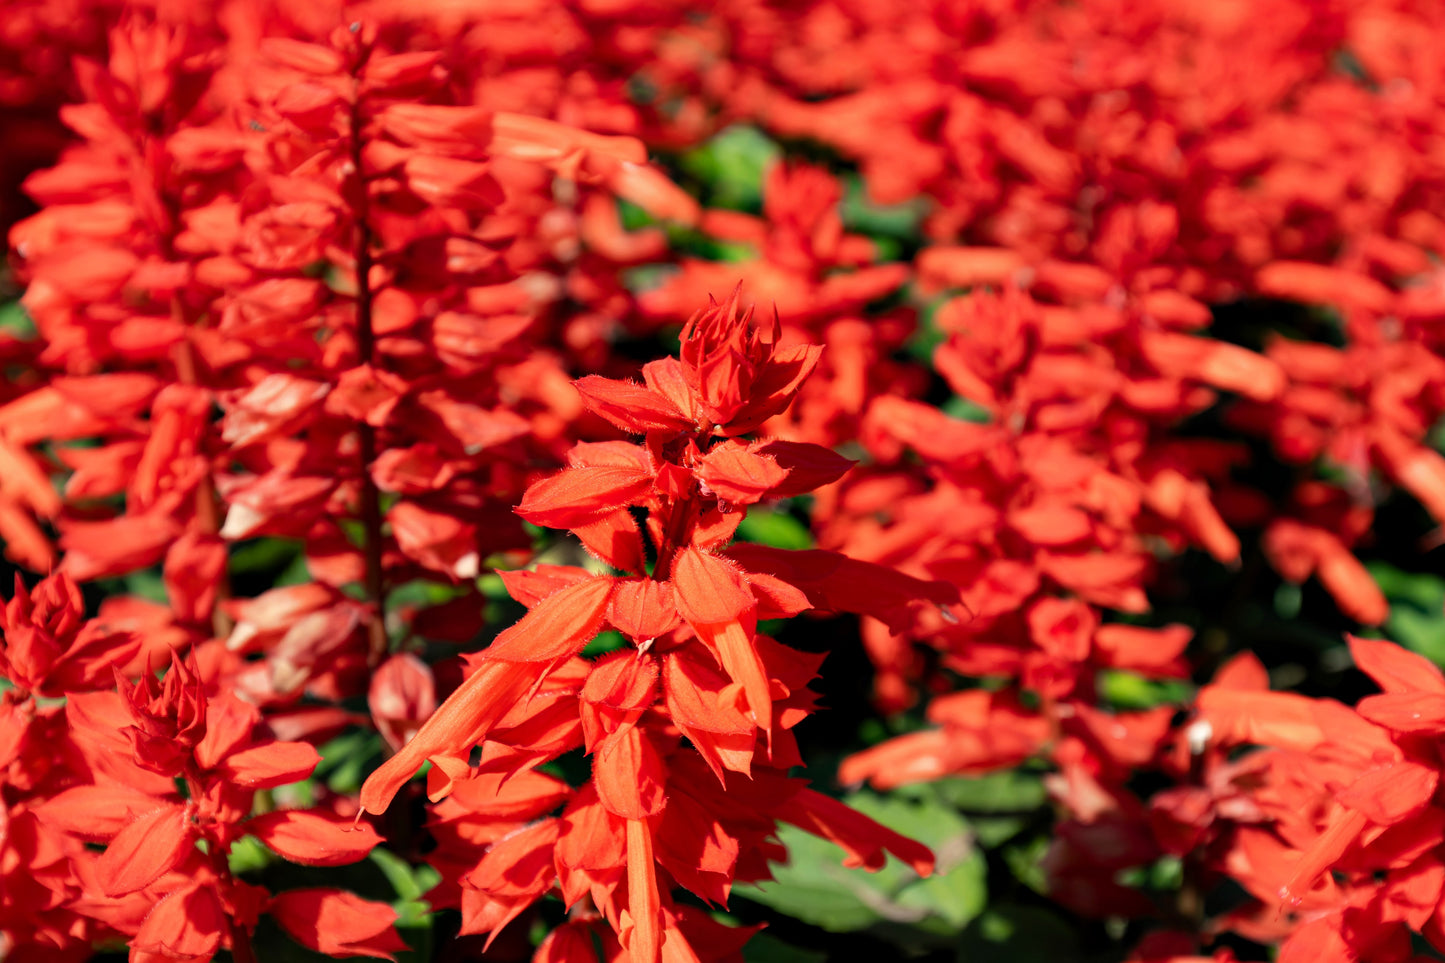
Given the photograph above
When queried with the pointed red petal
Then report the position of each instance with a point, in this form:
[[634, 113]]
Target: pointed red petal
[[313, 838], [187, 924], [1395, 668], [337, 923], [1391, 793], [556, 627], [271, 765], [643, 609], [144, 851], [629, 406], [644, 906], [709, 590], [456, 726], [739, 476], [580, 495], [865, 841], [809, 466], [1405, 711], [629, 776], [615, 539]]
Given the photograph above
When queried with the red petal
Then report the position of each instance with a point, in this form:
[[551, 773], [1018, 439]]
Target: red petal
[[439, 128], [580, 495], [1391, 793], [1405, 711], [557, 627], [643, 609], [835, 582], [622, 680], [715, 601], [461, 721], [1322, 284], [629, 406], [1394, 668], [1135, 647], [144, 851], [186, 924], [1241, 717], [709, 590], [95, 812], [643, 938], [313, 838], [629, 776], [615, 539], [809, 466], [337, 923], [520, 864], [739, 476], [865, 841], [531, 587], [271, 765]]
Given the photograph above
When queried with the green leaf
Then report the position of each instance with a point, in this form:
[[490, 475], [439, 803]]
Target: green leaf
[[263, 555], [965, 410], [296, 573], [955, 895], [1026, 861], [409, 882], [15, 320], [248, 855], [1129, 690], [1425, 592], [347, 759], [1419, 632], [926, 336], [1287, 600], [732, 164], [492, 586], [146, 583], [766, 948], [775, 528], [1018, 934], [1416, 618], [992, 831], [1010, 791], [865, 216], [1167, 874], [608, 641]]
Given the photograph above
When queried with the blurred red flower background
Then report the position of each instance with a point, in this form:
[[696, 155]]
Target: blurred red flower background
[[618, 480]]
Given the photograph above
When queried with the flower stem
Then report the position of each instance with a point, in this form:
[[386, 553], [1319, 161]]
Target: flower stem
[[371, 520]]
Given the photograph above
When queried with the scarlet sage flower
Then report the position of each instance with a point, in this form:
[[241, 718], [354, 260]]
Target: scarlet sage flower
[[1331, 821], [169, 850], [698, 670]]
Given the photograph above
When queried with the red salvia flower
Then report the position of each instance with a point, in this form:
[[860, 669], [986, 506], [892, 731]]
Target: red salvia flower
[[697, 669]]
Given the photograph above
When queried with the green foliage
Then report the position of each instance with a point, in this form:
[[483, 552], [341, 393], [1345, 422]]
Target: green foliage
[[609, 641], [898, 223], [348, 759], [248, 855], [766, 948], [1417, 609], [1130, 691], [15, 321], [774, 527], [1018, 934], [732, 165]]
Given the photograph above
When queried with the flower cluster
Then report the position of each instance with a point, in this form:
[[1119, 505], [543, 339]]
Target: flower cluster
[[689, 724], [165, 775], [329, 346]]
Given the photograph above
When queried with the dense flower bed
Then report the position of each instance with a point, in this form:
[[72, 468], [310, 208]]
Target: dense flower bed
[[1024, 415]]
